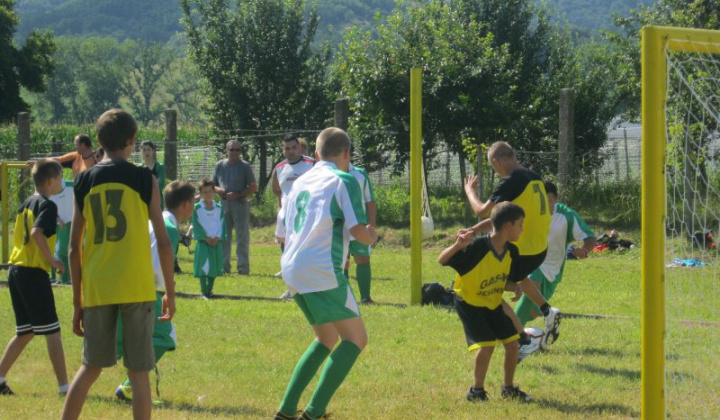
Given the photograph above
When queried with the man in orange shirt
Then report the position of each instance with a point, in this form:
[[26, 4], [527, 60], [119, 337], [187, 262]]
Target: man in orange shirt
[[81, 160]]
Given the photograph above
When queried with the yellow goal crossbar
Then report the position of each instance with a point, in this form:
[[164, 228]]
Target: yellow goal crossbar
[[655, 42], [4, 165]]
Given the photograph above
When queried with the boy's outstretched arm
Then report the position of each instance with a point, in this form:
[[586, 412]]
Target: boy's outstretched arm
[[77, 230], [165, 252], [365, 234]]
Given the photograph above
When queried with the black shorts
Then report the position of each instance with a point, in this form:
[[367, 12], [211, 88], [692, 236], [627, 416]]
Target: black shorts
[[526, 264], [32, 300], [485, 327]]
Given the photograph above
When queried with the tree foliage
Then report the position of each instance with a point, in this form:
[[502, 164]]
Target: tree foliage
[[25, 67]]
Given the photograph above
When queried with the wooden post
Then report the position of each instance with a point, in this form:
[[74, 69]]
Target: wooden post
[[342, 112], [617, 162], [627, 156], [171, 169], [23, 155], [566, 140]]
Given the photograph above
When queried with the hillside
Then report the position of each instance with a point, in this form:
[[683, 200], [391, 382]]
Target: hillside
[[157, 20]]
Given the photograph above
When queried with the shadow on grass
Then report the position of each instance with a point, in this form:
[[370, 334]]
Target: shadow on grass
[[631, 375], [597, 351], [189, 408], [606, 409]]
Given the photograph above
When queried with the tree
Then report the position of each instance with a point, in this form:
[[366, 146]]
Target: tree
[[258, 64], [151, 64], [24, 67]]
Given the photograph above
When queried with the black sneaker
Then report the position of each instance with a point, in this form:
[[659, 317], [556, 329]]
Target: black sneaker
[[5, 389], [282, 416], [477, 394], [305, 416], [513, 392]]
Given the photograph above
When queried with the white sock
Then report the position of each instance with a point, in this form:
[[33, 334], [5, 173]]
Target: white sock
[[64, 388]]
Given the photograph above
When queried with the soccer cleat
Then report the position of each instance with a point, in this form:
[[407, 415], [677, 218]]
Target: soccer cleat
[[305, 416], [286, 296], [5, 389], [278, 274], [477, 394], [367, 301], [514, 393], [282, 416], [552, 327], [124, 392]]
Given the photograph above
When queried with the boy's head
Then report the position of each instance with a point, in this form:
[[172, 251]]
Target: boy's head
[[207, 189], [179, 199], [333, 144], [508, 218], [291, 148], [116, 130], [147, 148], [552, 193], [47, 176]]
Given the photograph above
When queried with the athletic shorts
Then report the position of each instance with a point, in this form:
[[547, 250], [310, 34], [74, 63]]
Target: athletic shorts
[[32, 301], [526, 264], [359, 250], [485, 327], [164, 333], [329, 305], [100, 324]]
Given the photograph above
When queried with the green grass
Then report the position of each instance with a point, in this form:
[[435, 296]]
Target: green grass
[[235, 356]]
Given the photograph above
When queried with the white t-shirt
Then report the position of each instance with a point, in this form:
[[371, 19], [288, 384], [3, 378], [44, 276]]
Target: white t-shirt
[[64, 200], [287, 173], [210, 219], [321, 208], [565, 226], [157, 270]]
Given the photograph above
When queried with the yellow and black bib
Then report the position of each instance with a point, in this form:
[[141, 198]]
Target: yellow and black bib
[[114, 198], [526, 189], [482, 273], [36, 211]]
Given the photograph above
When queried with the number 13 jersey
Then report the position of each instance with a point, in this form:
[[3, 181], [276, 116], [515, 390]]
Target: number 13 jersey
[[114, 199]]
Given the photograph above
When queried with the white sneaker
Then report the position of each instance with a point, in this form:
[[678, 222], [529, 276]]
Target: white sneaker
[[279, 274], [286, 296], [552, 326]]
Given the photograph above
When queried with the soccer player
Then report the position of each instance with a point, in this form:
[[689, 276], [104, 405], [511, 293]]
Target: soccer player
[[111, 269], [64, 201], [566, 226], [361, 252], [323, 209], [484, 266], [208, 228], [30, 290], [525, 188], [179, 199]]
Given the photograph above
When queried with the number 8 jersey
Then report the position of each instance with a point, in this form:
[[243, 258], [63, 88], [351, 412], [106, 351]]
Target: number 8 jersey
[[114, 198], [526, 189]]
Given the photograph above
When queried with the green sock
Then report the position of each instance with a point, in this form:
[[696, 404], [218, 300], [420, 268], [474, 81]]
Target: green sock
[[332, 376], [210, 284], [305, 370], [203, 285], [363, 273]]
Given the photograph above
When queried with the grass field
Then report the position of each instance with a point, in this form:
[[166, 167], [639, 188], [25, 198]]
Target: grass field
[[235, 356]]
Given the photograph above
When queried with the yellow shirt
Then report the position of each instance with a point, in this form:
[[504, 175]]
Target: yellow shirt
[[116, 262], [36, 211]]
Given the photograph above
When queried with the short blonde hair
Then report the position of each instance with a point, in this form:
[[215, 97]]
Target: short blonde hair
[[45, 170], [500, 150], [332, 142]]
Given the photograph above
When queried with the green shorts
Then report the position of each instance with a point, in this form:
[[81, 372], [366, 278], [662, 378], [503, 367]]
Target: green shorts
[[359, 250], [525, 305], [329, 305]]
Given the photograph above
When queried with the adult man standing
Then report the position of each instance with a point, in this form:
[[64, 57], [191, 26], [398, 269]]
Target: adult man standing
[[235, 182]]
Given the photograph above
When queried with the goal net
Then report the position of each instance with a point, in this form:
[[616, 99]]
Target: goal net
[[681, 223]]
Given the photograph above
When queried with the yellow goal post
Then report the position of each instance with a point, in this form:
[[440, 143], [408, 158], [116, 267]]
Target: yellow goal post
[[656, 43]]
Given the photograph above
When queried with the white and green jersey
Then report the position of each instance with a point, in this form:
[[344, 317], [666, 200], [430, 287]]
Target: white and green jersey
[[566, 226], [171, 225], [322, 206], [365, 186]]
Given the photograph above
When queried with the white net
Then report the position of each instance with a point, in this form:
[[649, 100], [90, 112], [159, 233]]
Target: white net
[[692, 274]]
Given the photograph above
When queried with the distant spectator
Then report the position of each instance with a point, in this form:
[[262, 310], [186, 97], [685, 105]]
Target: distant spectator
[[82, 159]]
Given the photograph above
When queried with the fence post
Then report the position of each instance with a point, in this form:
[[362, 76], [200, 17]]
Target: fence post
[[171, 144], [566, 139], [616, 155], [342, 112], [627, 156], [23, 155]]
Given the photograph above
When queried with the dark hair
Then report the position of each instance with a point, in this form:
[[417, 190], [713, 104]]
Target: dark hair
[[290, 137], [178, 192], [99, 154], [44, 170], [332, 142], [205, 182], [83, 139], [505, 212], [115, 128], [551, 188]]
